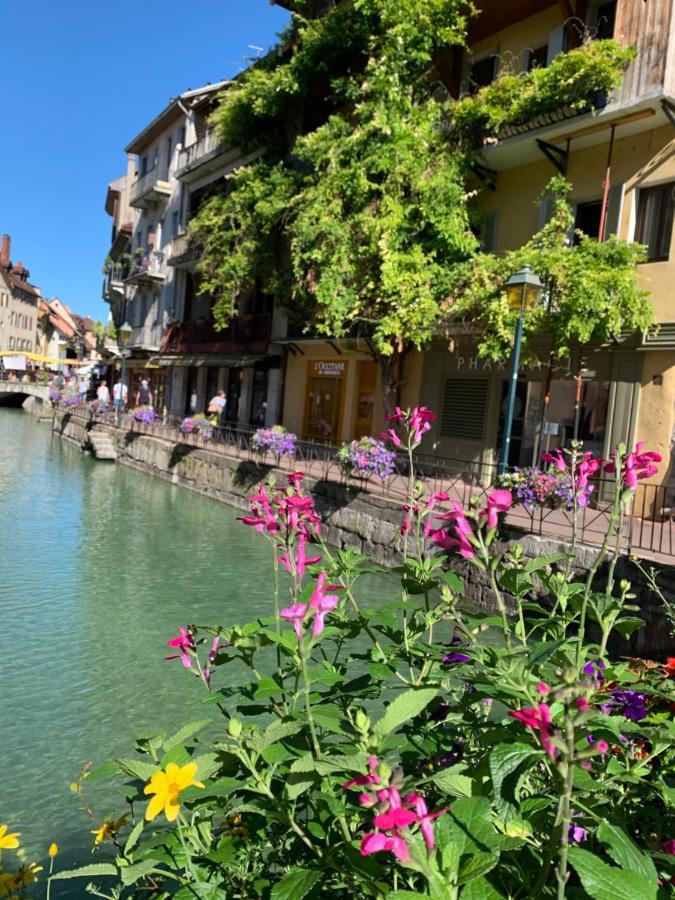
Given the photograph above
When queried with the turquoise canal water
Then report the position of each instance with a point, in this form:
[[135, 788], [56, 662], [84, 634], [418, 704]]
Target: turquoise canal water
[[98, 566]]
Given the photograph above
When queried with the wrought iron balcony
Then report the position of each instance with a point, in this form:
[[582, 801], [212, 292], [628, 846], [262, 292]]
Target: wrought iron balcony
[[184, 252], [148, 269], [151, 189], [206, 155], [113, 283], [244, 333]]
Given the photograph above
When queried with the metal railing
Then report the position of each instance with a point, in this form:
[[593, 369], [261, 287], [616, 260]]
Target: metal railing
[[147, 182], [191, 155], [150, 265], [648, 526]]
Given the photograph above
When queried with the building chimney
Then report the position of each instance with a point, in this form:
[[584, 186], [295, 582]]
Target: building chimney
[[5, 252]]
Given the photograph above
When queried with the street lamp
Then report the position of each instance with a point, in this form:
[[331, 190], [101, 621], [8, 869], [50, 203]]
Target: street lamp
[[522, 292], [124, 333]]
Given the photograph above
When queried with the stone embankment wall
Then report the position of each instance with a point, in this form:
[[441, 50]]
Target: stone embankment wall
[[353, 518]]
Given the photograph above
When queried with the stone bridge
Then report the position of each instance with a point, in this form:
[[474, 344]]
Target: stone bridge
[[15, 393]]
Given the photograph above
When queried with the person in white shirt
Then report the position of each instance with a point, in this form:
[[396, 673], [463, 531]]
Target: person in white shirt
[[103, 395], [120, 395]]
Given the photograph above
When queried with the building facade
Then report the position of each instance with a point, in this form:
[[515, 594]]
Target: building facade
[[625, 390], [18, 304]]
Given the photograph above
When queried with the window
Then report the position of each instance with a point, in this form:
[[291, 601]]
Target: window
[[538, 58], [169, 148], [482, 73], [655, 220], [606, 20], [465, 403]]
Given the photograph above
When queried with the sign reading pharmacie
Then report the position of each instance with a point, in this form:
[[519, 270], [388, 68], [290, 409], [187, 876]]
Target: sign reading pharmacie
[[329, 368]]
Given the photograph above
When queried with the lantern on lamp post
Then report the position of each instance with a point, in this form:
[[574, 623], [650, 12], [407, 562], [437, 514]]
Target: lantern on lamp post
[[522, 292], [124, 333]]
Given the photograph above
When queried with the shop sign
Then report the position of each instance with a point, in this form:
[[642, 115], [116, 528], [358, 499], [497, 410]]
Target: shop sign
[[329, 368], [475, 364]]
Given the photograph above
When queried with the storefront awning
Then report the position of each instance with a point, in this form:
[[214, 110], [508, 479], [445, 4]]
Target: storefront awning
[[209, 359]]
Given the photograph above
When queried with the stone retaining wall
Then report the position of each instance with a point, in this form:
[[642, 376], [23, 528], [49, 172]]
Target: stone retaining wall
[[352, 518]]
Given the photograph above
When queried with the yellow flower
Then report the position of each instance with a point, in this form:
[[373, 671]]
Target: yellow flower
[[8, 841], [53, 850], [166, 786], [27, 875], [108, 829]]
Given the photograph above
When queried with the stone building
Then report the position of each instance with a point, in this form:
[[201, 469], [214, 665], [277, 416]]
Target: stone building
[[18, 304]]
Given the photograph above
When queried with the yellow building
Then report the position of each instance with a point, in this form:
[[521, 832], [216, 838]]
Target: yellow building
[[628, 388]]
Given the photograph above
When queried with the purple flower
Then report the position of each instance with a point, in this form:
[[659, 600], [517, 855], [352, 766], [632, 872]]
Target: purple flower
[[577, 834], [631, 704], [367, 457], [594, 669], [455, 658], [276, 439]]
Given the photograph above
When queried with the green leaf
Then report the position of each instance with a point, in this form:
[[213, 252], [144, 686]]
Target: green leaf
[[143, 771], [480, 889], [132, 874], [405, 707], [277, 731], [516, 582], [469, 821], [207, 765], [185, 732], [604, 882], [541, 562], [95, 870], [299, 782], [476, 865], [627, 625], [107, 770], [506, 760], [178, 755], [406, 895], [132, 840], [453, 781], [624, 852], [267, 687], [295, 884], [329, 717]]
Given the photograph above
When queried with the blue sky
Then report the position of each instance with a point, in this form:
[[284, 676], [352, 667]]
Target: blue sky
[[80, 79]]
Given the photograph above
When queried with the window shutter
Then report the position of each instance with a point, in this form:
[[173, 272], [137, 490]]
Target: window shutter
[[465, 403], [488, 232], [545, 211], [556, 43], [614, 209]]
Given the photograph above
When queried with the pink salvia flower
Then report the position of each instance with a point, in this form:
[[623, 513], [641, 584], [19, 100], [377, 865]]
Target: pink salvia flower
[[539, 720], [185, 642], [394, 818], [322, 603], [295, 479], [295, 614], [376, 842], [425, 818], [498, 501], [371, 778], [556, 459], [396, 416]]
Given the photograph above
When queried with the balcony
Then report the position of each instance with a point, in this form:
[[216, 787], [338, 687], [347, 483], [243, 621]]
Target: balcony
[[244, 334], [150, 190], [204, 156], [145, 337], [148, 270], [113, 282], [184, 252]]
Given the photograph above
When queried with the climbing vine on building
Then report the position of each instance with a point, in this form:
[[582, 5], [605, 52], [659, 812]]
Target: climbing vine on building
[[355, 209]]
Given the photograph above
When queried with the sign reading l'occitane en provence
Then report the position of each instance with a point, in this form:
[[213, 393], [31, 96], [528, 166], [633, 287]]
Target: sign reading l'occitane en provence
[[330, 368]]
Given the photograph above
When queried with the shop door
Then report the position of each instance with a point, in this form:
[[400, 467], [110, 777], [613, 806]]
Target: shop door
[[322, 409], [365, 400]]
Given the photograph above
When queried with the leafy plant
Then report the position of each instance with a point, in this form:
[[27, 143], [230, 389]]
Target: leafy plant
[[416, 748]]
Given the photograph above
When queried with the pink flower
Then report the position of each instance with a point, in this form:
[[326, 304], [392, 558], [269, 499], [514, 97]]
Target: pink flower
[[636, 466], [396, 416], [669, 847], [425, 818], [464, 541], [394, 818], [295, 479], [375, 842], [391, 436], [295, 614], [361, 780], [600, 746], [497, 502], [185, 642], [556, 459], [539, 720], [420, 422], [213, 652], [322, 603], [543, 689], [301, 559], [582, 704], [435, 498]]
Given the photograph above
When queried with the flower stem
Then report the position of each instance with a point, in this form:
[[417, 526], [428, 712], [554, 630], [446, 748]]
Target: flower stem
[[565, 810], [308, 705]]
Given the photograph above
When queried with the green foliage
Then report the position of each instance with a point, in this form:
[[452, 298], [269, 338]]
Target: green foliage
[[410, 704], [590, 288], [576, 79]]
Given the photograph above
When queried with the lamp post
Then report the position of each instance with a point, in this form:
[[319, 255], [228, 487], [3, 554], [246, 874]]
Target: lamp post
[[124, 333], [522, 291]]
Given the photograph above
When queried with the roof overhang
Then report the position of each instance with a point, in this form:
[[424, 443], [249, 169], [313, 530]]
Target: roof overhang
[[233, 360], [585, 130]]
